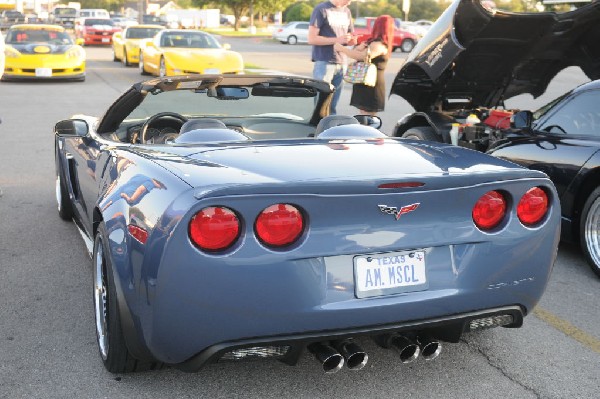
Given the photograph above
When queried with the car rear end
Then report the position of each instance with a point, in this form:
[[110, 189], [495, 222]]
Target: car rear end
[[267, 269]]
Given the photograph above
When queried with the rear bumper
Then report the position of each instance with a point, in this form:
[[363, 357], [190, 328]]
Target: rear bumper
[[445, 328]]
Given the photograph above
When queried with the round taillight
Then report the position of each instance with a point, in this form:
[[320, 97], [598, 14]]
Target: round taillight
[[533, 206], [489, 210], [214, 228], [279, 225]]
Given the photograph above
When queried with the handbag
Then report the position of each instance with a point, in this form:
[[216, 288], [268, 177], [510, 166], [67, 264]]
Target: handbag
[[362, 72]]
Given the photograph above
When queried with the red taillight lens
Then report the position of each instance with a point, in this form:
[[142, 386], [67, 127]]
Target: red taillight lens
[[533, 206], [489, 210], [214, 228], [279, 225]]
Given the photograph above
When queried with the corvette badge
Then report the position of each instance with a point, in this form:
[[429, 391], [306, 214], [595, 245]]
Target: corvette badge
[[392, 210]]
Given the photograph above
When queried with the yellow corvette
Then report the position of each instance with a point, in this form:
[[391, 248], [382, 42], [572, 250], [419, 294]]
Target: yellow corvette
[[42, 52], [184, 52], [126, 44]]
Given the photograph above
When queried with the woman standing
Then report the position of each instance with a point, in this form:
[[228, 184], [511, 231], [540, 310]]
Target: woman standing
[[370, 100]]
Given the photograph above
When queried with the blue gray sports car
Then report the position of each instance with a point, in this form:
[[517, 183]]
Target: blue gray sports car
[[229, 218]]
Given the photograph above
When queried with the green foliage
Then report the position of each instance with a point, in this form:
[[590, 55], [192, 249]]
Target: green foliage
[[298, 12], [425, 9]]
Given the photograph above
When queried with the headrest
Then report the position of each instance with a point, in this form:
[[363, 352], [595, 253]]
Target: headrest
[[202, 123], [334, 120], [351, 132], [209, 135]]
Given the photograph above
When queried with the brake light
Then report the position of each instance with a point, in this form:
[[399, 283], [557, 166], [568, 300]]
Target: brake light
[[489, 210], [533, 206], [214, 228], [279, 225]]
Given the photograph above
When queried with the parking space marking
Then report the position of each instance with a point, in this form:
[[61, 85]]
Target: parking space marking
[[568, 329]]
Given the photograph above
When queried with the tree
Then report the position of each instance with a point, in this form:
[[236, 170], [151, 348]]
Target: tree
[[110, 5], [298, 12]]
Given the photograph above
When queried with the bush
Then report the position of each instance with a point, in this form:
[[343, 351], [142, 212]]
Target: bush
[[298, 12]]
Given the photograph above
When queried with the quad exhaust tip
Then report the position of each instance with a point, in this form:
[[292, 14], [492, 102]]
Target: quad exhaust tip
[[331, 360], [334, 355], [356, 358], [430, 347], [407, 349]]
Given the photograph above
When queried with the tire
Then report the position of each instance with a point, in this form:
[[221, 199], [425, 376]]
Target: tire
[[425, 133], [141, 65], [407, 45], [63, 202], [124, 59], [109, 331], [162, 68], [588, 231], [292, 40]]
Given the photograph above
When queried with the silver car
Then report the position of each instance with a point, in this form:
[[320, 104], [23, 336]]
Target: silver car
[[292, 33]]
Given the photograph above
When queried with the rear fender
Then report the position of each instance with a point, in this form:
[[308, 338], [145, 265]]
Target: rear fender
[[439, 122], [577, 193]]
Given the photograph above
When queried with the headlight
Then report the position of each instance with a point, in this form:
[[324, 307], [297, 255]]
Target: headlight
[[11, 52], [134, 45], [74, 52]]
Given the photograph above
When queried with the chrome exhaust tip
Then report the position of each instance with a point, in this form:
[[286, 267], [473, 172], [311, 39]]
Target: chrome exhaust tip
[[356, 358], [331, 360], [407, 348], [430, 348]]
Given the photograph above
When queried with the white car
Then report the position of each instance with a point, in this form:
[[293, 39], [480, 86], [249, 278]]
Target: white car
[[292, 33]]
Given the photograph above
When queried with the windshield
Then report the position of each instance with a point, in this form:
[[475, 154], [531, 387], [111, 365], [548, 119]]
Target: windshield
[[23, 36], [295, 104], [141, 33], [188, 40], [543, 110]]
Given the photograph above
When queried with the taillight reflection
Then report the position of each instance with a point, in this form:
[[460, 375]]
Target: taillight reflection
[[214, 228], [279, 225], [489, 210]]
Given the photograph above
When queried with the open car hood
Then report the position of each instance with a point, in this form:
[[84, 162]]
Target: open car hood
[[473, 56]]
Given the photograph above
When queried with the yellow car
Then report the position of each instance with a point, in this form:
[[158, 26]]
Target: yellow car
[[42, 52], [126, 44], [184, 52]]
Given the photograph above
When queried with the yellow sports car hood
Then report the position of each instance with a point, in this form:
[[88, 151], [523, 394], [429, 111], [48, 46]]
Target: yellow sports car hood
[[210, 61], [41, 48]]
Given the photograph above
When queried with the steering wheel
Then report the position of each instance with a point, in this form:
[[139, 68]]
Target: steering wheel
[[154, 118]]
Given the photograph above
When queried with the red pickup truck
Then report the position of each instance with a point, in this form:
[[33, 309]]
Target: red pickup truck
[[403, 39]]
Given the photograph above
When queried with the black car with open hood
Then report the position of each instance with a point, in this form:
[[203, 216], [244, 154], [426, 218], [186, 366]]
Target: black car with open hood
[[478, 57], [474, 58]]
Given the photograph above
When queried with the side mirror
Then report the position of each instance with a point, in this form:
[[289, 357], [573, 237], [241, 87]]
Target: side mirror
[[521, 120], [117, 35], [71, 128], [226, 46], [80, 41], [368, 120]]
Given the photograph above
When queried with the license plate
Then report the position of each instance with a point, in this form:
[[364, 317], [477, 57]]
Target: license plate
[[43, 72], [390, 273], [105, 39], [211, 71]]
